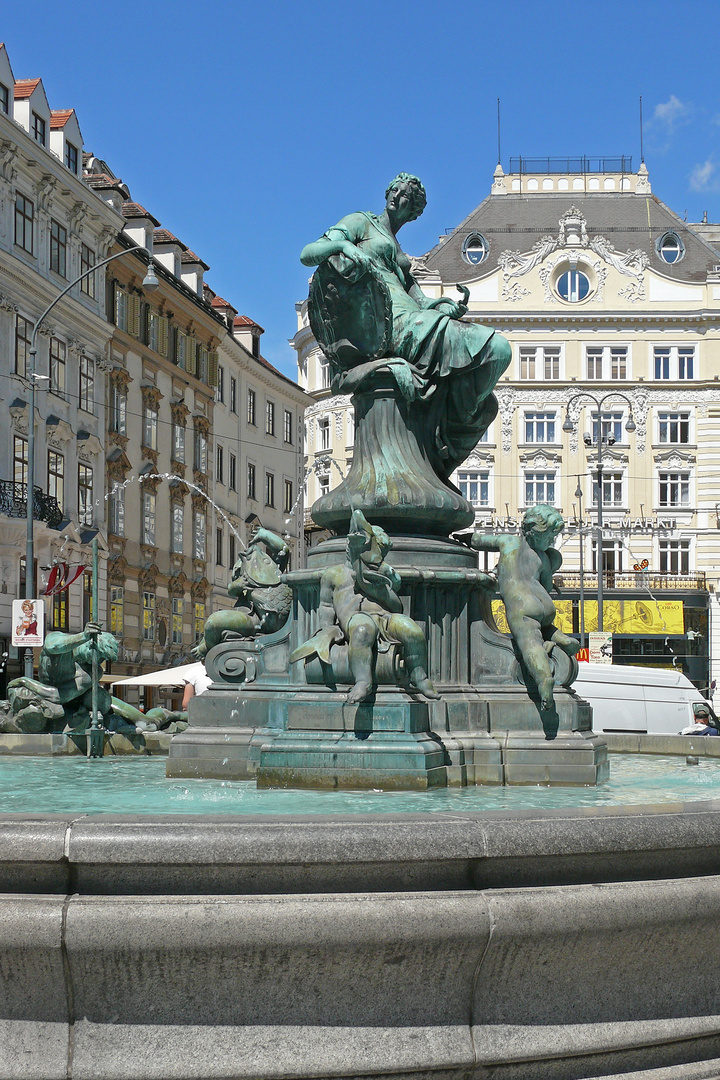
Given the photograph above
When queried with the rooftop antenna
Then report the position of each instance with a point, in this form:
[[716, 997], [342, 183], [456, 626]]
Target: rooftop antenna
[[498, 125], [642, 152]]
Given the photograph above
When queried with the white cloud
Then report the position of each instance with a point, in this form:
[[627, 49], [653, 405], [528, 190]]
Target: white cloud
[[701, 178], [668, 113]]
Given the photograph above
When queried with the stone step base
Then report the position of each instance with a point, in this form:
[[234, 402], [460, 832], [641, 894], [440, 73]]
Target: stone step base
[[395, 761]]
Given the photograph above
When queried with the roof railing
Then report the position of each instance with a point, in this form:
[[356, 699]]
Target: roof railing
[[572, 165]]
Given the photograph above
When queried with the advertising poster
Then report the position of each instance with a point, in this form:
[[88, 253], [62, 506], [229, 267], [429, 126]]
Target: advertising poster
[[563, 616], [637, 616], [28, 623], [600, 651]]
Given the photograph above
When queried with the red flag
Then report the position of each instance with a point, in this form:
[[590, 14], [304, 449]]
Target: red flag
[[62, 577], [75, 572], [51, 580]]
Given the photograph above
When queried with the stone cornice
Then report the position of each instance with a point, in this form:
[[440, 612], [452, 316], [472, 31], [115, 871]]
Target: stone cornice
[[322, 405], [151, 396], [674, 456], [120, 378], [177, 583], [179, 412], [566, 323], [178, 491], [200, 588]]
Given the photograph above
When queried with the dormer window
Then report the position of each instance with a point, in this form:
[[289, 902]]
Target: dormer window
[[39, 129], [71, 157], [475, 249], [670, 247], [4, 99]]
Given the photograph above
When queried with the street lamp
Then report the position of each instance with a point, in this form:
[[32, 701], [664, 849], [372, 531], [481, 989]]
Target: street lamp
[[579, 497], [150, 283], [599, 441]]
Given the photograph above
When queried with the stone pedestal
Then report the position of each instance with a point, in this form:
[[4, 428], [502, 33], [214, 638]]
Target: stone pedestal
[[328, 744], [289, 725], [391, 478]]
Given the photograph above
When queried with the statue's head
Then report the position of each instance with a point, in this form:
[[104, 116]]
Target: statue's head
[[542, 522], [367, 543], [414, 187], [107, 645]]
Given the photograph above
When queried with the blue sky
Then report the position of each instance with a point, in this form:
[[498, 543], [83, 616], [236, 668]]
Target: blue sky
[[248, 128]]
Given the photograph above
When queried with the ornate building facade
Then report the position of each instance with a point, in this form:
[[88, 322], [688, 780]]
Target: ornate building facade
[[52, 227], [602, 290], [202, 441], [258, 448]]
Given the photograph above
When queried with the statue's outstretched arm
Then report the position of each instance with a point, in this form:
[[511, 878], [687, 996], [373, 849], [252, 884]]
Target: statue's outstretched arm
[[486, 542], [275, 546], [449, 306], [57, 643]]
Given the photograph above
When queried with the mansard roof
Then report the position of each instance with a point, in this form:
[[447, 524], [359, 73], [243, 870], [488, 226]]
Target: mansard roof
[[517, 221]]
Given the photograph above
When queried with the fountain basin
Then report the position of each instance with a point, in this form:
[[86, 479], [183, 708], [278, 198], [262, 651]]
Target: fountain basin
[[544, 943]]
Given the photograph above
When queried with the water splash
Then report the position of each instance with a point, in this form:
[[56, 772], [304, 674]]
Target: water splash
[[316, 467], [117, 486]]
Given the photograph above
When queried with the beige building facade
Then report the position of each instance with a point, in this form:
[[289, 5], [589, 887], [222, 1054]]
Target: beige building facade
[[202, 443], [612, 306], [52, 228]]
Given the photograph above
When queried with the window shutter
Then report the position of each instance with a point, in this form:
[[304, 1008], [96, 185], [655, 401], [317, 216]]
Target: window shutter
[[110, 309], [191, 356], [134, 315], [213, 368], [163, 335]]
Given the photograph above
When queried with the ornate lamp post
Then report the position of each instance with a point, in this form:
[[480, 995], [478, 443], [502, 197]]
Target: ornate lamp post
[[579, 496], [599, 441], [150, 283]]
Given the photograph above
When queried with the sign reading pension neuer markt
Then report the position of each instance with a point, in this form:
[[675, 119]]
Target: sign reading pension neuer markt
[[28, 623]]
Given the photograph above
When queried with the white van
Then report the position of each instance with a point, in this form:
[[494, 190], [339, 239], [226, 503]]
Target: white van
[[640, 700]]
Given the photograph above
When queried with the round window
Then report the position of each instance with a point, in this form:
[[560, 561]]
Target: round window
[[573, 286], [670, 248], [475, 249]]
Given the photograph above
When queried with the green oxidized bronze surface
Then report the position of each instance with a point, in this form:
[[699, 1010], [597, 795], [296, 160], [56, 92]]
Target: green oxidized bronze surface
[[421, 378]]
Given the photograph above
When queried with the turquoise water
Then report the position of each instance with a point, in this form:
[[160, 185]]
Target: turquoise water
[[129, 785]]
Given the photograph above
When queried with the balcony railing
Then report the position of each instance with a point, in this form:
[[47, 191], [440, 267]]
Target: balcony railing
[[13, 503], [634, 580]]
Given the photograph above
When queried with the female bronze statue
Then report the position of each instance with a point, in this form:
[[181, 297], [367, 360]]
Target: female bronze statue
[[370, 315]]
